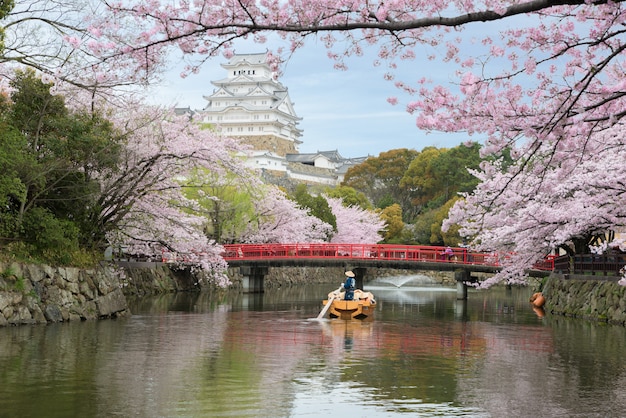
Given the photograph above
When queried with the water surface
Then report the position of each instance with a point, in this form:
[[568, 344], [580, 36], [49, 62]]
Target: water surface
[[425, 354]]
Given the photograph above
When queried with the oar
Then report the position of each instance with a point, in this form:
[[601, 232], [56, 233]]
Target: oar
[[330, 302]]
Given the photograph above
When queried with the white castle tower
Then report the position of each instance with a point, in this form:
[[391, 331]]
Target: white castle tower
[[251, 104]]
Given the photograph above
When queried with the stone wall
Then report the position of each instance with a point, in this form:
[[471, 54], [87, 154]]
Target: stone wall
[[277, 145], [38, 294], [33, 294], [280, 276], [585, 297]]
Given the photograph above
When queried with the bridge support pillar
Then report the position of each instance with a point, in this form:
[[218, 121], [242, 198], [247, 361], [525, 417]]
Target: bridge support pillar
[[359, 274], [461, 277], [252, 280]]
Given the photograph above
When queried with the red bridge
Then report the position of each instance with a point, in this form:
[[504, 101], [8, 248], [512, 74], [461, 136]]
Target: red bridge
[[366, 255], [254, 260]]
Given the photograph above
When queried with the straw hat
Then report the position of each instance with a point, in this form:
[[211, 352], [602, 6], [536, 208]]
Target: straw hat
[[349, 273]]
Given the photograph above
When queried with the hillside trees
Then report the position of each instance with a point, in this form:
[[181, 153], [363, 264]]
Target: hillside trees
[[425, 183], [394, 226], [349, 195], [437, 175], [379, 179], [421, 179]]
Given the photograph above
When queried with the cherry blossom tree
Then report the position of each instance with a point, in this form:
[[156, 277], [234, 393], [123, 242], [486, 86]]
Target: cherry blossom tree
[[524, 217], [59, 40], [281, 220], [142, 206], [354, 224]]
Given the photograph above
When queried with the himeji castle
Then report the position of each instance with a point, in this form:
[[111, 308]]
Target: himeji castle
[[251, 104]]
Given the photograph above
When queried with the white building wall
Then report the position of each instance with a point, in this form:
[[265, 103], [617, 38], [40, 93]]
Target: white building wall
[[312, 179], [324, 162]]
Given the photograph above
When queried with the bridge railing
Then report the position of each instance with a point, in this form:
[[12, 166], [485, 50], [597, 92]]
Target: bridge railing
[[591, 264], [393, 252], [358, 251]]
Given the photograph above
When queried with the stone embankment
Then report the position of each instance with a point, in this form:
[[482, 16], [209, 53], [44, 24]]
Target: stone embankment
[[289, 276], [593, 298], [37, 294]]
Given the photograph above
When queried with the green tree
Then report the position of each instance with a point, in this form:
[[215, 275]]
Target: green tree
[[5, 8], [349, 196], [35, 111], [316, 205], [452, 166], [421, 231], [392, 215], [88, 144], [226, 203], [420, 177], [379, 179], [51, 155], [437, 236], [13, 156], [437, 175]]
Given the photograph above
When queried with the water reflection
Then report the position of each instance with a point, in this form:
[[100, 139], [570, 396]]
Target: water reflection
[[425, 354]]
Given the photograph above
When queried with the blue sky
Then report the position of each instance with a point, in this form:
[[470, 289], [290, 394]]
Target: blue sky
[[340, 110]]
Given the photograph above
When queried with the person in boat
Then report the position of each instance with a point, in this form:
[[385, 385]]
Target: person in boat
[[349, 285]]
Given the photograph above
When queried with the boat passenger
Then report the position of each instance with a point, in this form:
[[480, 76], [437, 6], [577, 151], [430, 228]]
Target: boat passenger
[[349, 285]]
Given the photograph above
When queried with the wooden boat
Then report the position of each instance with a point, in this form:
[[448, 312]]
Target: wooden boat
[[362, 307]]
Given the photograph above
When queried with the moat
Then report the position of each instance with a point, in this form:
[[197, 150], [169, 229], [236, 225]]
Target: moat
[[425, 354]]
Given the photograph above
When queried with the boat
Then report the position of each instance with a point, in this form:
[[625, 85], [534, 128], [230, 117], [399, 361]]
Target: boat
[[362, 306]]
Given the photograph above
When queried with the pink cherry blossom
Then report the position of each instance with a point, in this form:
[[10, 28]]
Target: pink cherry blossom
[[355, 225]]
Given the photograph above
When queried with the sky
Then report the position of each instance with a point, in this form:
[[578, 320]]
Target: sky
[[345, 111]]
